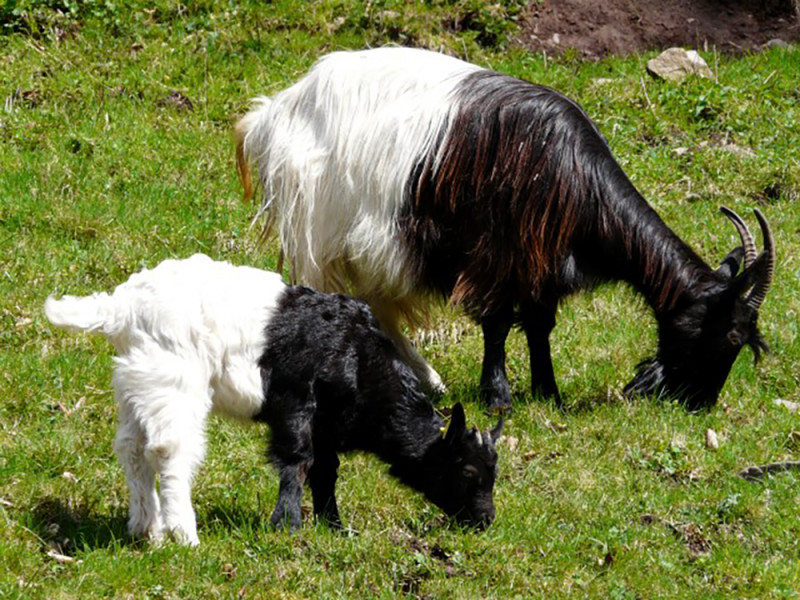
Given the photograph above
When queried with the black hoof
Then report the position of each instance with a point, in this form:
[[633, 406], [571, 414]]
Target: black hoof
[[497, 401], [498, 409]]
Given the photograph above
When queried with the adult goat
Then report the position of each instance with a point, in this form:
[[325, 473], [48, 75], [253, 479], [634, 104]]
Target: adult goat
[[405, 173]]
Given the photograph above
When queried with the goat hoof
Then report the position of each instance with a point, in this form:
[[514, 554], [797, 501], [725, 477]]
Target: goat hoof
[[498, 409], [498, 402], [285, 524]]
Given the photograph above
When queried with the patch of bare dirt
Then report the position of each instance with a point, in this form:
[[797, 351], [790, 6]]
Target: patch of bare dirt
[[620, 27]]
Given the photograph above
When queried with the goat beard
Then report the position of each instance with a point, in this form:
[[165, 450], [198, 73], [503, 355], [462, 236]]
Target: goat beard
[[649, 379], [652, 379]]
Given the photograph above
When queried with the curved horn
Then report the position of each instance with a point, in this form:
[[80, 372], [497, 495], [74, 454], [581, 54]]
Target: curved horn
[[477, 435], [749, 244], [490, 436], [760, 289]]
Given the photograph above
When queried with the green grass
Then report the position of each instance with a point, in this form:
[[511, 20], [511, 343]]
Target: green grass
[[103, 172]]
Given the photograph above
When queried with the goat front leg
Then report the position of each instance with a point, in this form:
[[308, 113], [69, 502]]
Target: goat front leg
[[494, 390], [322, 479], [538, 320]]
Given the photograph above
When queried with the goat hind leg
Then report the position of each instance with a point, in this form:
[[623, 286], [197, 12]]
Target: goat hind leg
[[292, 450], [175, 447], [144, 507], [494, 390]]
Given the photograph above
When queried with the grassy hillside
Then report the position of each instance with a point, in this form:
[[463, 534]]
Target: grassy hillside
[[116, 152]]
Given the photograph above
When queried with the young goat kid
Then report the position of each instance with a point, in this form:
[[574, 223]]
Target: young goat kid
[[409, 174], [197, 335]]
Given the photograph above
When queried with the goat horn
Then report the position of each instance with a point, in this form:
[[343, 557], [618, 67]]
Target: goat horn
[[477, 435], [749, 244], [759, 291]]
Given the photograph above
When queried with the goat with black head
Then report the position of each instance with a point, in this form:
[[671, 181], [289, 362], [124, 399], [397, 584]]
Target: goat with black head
[[406, 174], [701, 334], [198, 335]]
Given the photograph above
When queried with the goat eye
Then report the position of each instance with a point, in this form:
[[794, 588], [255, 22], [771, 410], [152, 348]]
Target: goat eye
[[735, 337], [469, 472]]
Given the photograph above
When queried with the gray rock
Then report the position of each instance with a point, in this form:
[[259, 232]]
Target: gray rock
[[776, 43], [675, 64]]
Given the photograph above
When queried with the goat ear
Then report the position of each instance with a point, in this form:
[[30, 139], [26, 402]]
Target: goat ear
[[742, 283], [730, 264], [496, 431], [458, 424]]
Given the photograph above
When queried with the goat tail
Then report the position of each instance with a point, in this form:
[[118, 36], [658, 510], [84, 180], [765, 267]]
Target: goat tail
[[242, 162], [249, 124], [98, 313]]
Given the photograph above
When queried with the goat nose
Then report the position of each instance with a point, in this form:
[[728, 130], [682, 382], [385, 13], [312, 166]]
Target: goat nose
[[486, 520]]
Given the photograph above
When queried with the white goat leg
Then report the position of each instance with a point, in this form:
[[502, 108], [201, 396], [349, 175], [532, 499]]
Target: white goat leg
[[176, 451], [145, 509], [390, 324]]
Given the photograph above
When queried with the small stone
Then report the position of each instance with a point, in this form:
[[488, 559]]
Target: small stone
[[336, 24], [712, 443], [788, 404], [510, 441], [776, 43]]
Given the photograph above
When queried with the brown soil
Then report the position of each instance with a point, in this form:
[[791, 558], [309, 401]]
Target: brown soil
[[597, 28]]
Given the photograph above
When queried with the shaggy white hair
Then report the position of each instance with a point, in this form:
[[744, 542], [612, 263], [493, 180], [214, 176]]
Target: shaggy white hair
[[334, 153], [189, 334]]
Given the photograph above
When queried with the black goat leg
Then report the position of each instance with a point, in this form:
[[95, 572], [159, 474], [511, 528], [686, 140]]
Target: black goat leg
[[322, 480], [494, 390], [290, 492], [538, 321]]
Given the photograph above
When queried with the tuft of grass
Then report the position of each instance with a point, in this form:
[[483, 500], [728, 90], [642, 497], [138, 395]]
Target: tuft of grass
[[116, 152]]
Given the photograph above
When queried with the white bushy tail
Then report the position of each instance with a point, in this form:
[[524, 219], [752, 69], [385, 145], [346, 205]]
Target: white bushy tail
[[96, 313]]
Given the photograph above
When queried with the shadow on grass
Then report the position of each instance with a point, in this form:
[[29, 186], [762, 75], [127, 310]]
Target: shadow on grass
[[587, 402], [237, 521], [67, 528]]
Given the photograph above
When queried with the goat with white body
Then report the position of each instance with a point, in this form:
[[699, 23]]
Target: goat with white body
[[197, 335], [404, 173]]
